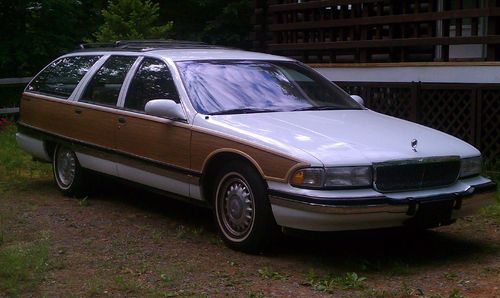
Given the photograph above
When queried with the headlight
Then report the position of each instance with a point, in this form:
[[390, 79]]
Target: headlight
[[348, 176], [332, 177], [470, 166]]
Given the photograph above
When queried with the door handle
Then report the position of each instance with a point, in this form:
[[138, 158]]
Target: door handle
[[122, 120], [78, 111]]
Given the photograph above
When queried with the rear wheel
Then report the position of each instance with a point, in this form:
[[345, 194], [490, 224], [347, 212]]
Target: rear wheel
[[68, 174], [242, 209]]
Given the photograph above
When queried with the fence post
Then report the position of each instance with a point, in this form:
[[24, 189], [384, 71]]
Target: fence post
[[414, 87], [478, 112]]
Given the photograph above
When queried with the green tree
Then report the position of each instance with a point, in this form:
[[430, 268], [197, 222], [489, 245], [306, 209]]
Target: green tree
[[131, 19], [32, 33], [232, 26], [224, 22]]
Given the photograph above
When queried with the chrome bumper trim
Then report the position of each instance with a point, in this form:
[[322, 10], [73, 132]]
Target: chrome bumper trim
[[466, 202], [338, 209]]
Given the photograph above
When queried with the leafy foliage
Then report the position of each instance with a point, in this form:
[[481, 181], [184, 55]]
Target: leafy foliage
[[35, 32], [131, 19], [269, 273], [330, 283], [224, 22]]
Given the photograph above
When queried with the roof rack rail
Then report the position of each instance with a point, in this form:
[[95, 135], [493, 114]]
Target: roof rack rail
[[93, 45], [147, 44]]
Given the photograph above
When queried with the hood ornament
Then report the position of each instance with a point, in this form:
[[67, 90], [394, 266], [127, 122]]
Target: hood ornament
[[414, 144]]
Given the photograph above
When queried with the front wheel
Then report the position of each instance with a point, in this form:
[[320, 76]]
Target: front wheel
[[242, 209], [68, 174]]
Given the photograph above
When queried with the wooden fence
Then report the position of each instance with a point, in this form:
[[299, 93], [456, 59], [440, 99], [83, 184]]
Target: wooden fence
[[8, 111], [470, 112], [10, 94], [377, 30]]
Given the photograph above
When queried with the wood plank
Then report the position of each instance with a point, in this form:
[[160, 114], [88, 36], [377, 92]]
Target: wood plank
[[314, 4], [15, 81], [495, 39], [392, 19], [6, 111], [403, 64]]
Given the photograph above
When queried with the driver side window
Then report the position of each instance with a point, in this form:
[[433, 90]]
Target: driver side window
[[152, 80]]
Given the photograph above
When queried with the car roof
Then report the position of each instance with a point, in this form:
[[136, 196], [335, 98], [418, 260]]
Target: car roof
[[215, 54], [174, 50]]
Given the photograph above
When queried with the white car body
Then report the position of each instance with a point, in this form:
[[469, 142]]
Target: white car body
[[318, 139]]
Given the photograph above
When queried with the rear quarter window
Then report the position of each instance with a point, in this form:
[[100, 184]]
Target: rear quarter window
[[62, 76]]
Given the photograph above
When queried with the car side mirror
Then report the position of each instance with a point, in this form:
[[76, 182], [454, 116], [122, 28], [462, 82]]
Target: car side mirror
[[358, 99], [165, 108]]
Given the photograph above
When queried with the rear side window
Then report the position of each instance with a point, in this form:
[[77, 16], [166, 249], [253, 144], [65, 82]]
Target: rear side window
[[152, 80], [105, 85], [62, 76]]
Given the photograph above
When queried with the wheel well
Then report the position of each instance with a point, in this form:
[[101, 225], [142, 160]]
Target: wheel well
[[50, 147], [207, 180]]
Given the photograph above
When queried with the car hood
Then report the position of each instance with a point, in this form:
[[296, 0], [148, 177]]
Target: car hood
[[338, 137]]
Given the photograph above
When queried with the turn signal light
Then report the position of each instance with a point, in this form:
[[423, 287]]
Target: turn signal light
[[298, 178]]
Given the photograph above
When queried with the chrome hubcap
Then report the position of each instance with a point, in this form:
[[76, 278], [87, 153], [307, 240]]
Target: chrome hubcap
[[66, 166], [236, 207]]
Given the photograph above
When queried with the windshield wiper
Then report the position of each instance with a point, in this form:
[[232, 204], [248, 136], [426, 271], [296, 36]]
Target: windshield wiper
[[242, 111], [323, 108]]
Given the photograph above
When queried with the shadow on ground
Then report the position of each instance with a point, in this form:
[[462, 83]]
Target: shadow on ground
[[396, 250]]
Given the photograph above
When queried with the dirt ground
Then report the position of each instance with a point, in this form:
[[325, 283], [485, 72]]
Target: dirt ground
[[127, 242]]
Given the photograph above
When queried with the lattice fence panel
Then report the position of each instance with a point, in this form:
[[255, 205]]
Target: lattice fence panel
[[356, 89], [396, 102], [353, 89], [449, 110], [489, 142]]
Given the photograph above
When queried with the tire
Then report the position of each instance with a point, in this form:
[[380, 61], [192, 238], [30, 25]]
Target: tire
[[69, 176], [242, 211]]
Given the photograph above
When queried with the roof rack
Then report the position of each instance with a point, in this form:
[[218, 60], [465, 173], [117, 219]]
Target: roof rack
[[148, 44]]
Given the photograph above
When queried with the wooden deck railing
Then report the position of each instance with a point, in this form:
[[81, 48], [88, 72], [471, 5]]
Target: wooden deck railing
[[371, 30]]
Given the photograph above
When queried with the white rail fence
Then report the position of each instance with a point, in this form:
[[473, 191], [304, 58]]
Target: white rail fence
[[11, 81]]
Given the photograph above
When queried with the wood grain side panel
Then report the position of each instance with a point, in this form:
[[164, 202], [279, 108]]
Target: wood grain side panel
[[272, 165], [60, 117], [164, 142]]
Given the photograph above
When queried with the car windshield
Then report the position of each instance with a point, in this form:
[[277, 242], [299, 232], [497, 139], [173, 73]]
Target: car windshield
[[235, 87]]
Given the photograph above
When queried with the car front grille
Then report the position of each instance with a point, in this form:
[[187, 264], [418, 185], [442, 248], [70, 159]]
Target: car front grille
[[416, 174]]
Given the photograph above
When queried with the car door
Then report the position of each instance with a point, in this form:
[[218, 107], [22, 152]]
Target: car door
[[97, 114], [158, 148]]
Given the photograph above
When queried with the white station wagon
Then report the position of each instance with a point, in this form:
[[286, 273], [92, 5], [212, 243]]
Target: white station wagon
[[264, 140]]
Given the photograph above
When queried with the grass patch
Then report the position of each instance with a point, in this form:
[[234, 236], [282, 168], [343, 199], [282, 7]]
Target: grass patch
[[127, 285], [400, 268], [23, 266], [16, 166], [330, 283], [493, 211], [95, 287], [269, 273], [1, 230], [252, 294]]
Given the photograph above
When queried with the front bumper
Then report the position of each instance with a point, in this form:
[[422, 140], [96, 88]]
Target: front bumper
[[426, 209]]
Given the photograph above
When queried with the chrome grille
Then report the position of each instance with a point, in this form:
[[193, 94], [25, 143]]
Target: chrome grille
[[416, 174]]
